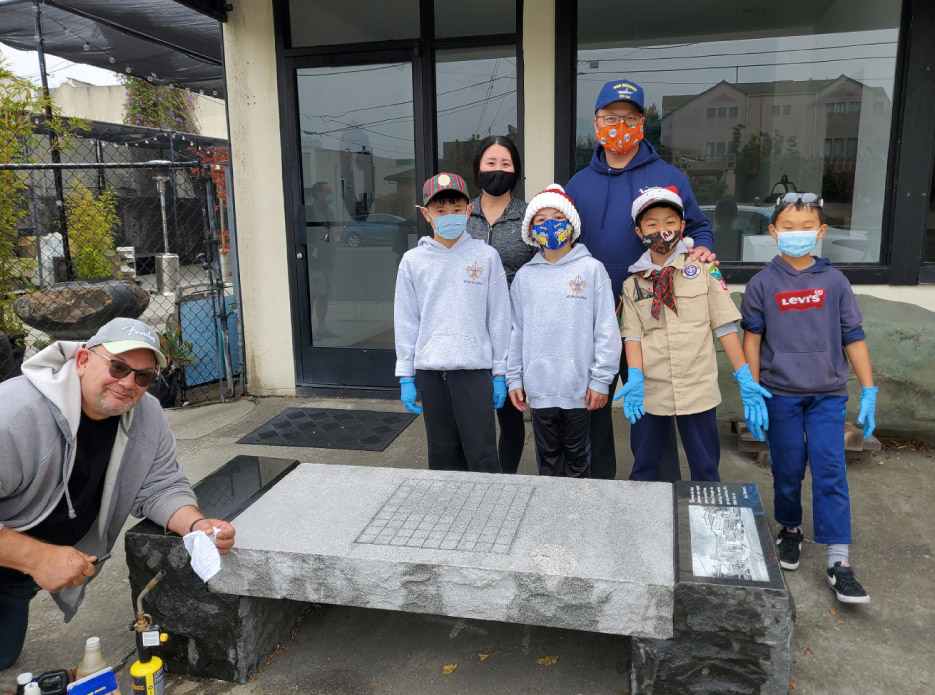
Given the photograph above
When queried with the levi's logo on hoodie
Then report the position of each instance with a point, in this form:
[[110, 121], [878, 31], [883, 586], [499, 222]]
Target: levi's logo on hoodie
[[800, 300]]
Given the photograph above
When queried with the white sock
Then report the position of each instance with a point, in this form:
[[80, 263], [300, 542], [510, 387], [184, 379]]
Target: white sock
[[837, 552]]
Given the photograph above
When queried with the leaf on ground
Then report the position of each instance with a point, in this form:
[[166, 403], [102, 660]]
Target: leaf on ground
[[791, 686], [840, 622], [547, 660], [808, 651], [482, 656], [832, 611], [450, 668]]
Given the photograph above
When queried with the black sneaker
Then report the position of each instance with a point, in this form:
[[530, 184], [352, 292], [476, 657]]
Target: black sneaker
[[790, 543], [845, 584]]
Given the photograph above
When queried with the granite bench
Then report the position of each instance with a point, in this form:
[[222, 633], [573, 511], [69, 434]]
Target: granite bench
[[689, 572]]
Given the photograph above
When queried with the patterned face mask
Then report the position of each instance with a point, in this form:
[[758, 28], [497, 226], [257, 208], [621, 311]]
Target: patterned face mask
[[662, 242], [620, 138], [551, 234]]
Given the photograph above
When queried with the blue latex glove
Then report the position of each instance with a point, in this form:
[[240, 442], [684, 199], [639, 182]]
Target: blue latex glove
[[868, 408], [754, 407], [499, 391], [632, 393], [407, 394]]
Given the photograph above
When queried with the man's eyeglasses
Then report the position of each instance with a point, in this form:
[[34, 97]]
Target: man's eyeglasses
[[810, 199], [120, 370], [613, 119]]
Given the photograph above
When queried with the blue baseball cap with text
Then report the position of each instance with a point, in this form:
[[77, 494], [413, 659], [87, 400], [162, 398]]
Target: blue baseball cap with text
[[620, 90]]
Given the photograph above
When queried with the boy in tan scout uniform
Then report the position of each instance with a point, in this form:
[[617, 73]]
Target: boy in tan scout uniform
[[671, 305]]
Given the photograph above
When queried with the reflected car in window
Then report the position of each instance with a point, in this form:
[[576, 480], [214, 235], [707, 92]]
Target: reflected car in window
[[747, 239], [377, 229]]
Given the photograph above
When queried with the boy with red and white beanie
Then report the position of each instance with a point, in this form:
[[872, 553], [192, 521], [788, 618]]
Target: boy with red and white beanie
[[672, 304], [565, 344]]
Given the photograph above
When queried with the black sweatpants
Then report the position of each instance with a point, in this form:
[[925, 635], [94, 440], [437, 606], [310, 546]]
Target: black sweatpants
[[562, 441], [603, 453], [512, 436], [459, 421]]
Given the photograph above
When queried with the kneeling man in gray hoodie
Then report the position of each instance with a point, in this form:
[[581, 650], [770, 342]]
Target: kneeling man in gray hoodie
[[82, 447]]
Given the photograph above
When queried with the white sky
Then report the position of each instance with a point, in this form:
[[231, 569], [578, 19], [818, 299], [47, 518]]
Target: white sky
[[26, 64]]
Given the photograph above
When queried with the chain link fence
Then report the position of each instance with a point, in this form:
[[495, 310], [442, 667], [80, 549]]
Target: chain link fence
[[133, 222]]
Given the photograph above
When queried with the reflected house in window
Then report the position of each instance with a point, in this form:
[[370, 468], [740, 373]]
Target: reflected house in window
[[821, 120]]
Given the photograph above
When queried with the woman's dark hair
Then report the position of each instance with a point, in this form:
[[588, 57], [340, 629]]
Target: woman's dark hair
[[486, 144]]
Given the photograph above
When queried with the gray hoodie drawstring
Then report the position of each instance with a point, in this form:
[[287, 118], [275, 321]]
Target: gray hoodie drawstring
[[71, 508]]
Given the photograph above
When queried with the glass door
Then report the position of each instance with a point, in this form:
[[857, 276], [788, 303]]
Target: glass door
[[359, 191]]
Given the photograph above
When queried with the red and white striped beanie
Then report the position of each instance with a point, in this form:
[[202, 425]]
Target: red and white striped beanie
[[553, 196]]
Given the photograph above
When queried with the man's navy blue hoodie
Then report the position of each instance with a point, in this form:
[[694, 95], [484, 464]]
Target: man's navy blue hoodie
[[806, 317], [604, 196]]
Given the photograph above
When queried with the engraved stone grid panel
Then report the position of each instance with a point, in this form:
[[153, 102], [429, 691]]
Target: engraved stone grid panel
[[450, 515]]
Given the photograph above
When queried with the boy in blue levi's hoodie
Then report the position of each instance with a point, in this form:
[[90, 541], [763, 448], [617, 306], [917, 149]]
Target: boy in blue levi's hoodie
[[802, 324], [565, 346], [452, 323]]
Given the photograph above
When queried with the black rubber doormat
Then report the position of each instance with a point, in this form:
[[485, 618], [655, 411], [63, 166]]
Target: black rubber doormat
[[361, 430]]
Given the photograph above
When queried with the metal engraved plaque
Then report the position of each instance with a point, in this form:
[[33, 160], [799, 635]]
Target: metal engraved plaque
[[723, 534], [450, 515]]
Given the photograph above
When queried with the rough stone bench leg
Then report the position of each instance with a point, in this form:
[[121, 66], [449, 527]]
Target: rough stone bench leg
[[211, 635], [734, 616]]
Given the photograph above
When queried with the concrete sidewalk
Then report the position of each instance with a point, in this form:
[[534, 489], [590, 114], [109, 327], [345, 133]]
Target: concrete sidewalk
[[883, 647]]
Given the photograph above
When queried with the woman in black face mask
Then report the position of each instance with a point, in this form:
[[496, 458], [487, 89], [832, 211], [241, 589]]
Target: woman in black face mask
[[497, 218]]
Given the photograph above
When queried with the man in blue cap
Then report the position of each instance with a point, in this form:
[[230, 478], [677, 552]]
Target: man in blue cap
[[623, 164]]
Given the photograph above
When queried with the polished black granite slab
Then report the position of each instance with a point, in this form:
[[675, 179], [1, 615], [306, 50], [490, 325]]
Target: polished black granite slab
[[211, 635], [734, 616]]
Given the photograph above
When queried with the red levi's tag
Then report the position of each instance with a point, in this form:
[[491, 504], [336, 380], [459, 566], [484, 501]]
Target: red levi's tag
[[800, 300]]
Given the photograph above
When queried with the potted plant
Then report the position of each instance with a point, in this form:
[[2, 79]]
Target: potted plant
[[21, 102], [171, 378]]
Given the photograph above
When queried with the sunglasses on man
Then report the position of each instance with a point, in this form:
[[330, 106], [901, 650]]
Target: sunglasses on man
[[120, 370]]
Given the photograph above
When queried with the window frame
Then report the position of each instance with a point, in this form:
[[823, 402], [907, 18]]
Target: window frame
[[909, 163]]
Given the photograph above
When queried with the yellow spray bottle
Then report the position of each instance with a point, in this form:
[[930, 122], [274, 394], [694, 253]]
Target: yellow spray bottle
[[147, 676]]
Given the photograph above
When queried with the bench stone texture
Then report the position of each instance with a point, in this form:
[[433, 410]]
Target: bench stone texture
[[580, 554], [211, 635]]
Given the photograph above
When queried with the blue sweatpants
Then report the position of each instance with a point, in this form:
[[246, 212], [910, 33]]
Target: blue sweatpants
[[810, 428], [699, 437]]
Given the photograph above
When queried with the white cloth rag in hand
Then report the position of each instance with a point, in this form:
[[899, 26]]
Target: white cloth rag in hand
[[206, 560]]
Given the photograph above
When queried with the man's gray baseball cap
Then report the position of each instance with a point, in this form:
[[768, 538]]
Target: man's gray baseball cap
[[122, 335]]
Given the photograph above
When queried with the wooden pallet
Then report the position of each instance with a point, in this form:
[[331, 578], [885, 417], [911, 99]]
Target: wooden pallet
[[856, 448]]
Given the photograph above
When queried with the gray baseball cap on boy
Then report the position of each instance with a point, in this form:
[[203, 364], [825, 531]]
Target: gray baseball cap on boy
[[122, 335]]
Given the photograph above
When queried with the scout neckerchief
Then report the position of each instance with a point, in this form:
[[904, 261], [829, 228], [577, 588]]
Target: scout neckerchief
[[663, 291]]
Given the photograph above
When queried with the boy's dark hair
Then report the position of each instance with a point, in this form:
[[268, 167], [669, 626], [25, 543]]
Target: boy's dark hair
[[485, 145], [659, 204], [798, 201], [319, 187], [448, 195]]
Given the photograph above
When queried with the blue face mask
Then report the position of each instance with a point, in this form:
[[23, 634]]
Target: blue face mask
[[797, 243], [450, 226], [551, 234], [329, 198]]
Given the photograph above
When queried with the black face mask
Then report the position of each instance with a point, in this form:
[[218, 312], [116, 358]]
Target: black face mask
[[496, 182]]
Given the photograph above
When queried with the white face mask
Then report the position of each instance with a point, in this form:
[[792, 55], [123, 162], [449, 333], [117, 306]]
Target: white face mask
[[797, 243]]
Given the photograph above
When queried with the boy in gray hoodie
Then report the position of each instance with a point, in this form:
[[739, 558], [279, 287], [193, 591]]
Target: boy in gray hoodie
[[565, 346], [452, 321]]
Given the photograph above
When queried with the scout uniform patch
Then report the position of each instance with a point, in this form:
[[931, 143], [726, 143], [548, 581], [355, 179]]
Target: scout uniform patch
[[716, 274], [690, 271]]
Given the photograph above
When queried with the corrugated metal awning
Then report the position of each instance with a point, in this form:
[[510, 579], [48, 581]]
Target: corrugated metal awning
[[163, 41]]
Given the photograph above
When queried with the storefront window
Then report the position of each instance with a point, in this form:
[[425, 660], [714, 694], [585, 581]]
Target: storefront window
[[329, 22], [928, 255], [477, 18], [476, 97], [358, 179], [751, 103]]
